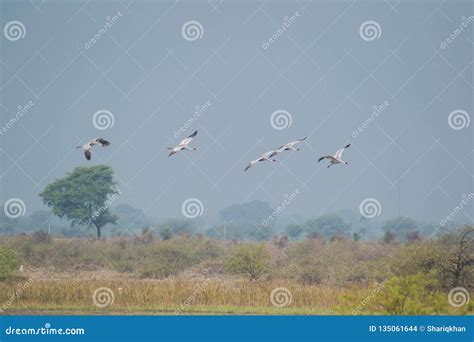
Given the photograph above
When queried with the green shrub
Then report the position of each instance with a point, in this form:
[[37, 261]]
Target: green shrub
[[8, 262], [411, 295], [250, 260], [165, 262]]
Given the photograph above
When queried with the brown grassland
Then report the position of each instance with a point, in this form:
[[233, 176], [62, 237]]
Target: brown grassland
[[197, 275]]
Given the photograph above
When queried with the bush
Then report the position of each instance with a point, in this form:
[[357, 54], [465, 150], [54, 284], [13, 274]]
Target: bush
[[41, 237], [411, 295], [449, 259], [145, 237], [252, 261], [165, 261], [406, 295], [166, 233], [8, 262]]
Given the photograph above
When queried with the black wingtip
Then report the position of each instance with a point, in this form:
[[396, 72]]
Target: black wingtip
[[103, 142], [303, 139], [194, 134], [348, 145], [320, 159]]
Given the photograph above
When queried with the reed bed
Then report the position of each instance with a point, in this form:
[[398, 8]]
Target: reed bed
[[170, 295]]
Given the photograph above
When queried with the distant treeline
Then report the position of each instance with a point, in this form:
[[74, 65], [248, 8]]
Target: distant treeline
[[248, 221]]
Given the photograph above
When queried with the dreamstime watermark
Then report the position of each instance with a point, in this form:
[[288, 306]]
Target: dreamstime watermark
[[109, 22], [192, 30], [458, 297], [281, 119], [358, 310], [16, 294], [103, 119], [459, 119], [46, 330], [108, 202], [192, 299], [287, 22], [462, 204], [369, 208], [370, 30], [286, 202], [21, 110], [103, 297], [192, 208], [14, 30], [465, 22], [281, 297], [377, 110], [14, 208], [198, 112]]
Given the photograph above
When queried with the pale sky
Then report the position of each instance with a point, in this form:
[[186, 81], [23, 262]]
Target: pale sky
[[323, 69]]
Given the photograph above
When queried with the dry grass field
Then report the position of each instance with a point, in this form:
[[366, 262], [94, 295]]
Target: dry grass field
[[195, 275]]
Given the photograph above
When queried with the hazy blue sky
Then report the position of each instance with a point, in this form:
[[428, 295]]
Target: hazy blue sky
[[319, 69]]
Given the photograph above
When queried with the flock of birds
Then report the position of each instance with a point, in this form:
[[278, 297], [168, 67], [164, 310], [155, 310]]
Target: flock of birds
[[267, 156]]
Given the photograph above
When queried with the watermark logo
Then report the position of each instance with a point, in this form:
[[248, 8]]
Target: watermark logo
[[16, 294], [192, 208], [286, 202], [287, 22], [358, 310], [377, 110], [459, 119], [369, 208], [465, 22], [281, 297], [281, 119], [14, 208], [103, 119], [192, 298], [98, 213], [21, 110], [192, 30], [45, 330], [462, 204], [370, 30], [198, 112], [109, 22], [103, 297], [14, 30], [458, 297]]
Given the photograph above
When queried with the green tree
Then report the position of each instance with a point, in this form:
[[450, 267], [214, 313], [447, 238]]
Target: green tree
[[400, 226], [251, 260], [328, 225], [356, 236], [83, 196], [295, 231], [389, 237], [248, 221], [176, 227], [131, 218], [8, 262], [166, 233]]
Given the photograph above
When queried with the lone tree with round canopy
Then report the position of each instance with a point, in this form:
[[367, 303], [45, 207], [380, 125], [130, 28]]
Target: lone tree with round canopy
[[83, 196]]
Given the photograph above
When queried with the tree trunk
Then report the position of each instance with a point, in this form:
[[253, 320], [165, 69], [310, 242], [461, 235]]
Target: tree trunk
[[98, 231]]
